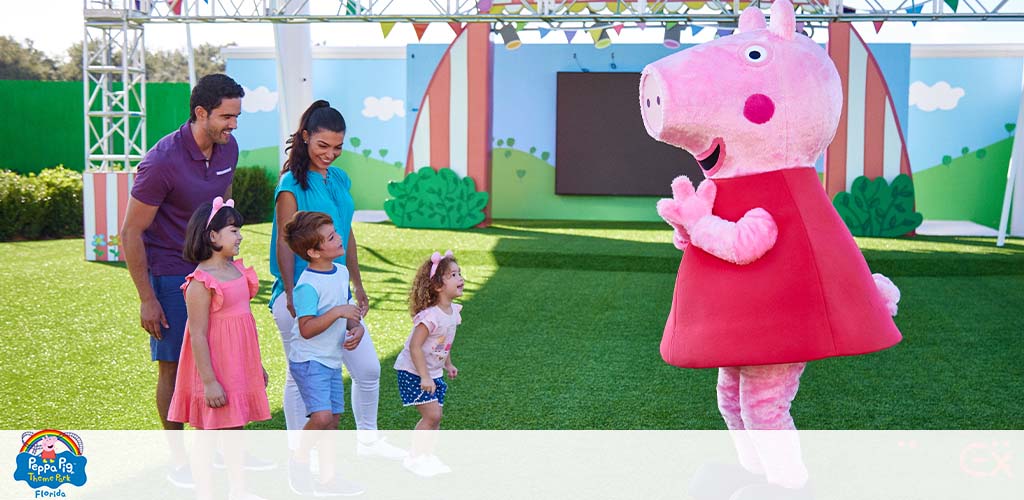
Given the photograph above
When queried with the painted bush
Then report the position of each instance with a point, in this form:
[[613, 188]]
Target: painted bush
[[435, 200], [876, 208]]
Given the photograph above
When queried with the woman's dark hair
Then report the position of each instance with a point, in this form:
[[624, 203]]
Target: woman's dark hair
[[318, 116], [198, 246], [210, 91]]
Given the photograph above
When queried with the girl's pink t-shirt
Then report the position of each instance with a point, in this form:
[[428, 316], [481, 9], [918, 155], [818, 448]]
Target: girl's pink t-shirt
[[441, 333]]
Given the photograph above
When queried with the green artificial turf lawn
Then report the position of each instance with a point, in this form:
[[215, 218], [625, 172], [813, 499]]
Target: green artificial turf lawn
[[561, 329]]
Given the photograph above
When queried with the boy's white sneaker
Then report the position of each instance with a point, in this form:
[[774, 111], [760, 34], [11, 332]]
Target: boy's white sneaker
[[338, 487], [381, 449]]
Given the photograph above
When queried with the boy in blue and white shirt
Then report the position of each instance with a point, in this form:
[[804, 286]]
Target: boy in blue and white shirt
[[326, 324]]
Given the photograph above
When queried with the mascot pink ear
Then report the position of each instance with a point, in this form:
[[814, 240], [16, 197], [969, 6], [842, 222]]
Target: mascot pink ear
[[783, 19], [751, 20]]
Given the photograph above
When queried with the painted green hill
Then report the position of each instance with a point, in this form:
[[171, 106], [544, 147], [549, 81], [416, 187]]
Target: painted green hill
[[370, 176], [261, 157], [523, 187], [968, 187]]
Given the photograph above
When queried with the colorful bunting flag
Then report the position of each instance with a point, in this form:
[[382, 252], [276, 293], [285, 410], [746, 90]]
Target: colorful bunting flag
[[914, 9], [543, 32], [386, 28], [569, 35], [696, 29], [953, 4], [618, 29], [878, 26], [420, 28]]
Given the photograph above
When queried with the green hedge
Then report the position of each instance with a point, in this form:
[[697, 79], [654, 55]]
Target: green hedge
[[47, 205], [253, 192]]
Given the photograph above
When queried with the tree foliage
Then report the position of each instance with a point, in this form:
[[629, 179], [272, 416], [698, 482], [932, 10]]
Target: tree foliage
[[24, 62], [21, 61]]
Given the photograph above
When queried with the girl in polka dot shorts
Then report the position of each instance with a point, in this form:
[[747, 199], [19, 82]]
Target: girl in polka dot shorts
[[427, 354]]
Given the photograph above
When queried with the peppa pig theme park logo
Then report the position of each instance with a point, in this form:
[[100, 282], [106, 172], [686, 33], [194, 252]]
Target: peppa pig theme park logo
[[50, 458]]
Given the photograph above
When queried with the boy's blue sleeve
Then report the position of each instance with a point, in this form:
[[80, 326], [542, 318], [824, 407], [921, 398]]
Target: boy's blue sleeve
[[305, 300]]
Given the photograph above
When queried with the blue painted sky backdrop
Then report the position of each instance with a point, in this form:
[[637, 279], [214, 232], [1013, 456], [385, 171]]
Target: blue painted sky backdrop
[[343, 82], [525, 94], [991, 98]]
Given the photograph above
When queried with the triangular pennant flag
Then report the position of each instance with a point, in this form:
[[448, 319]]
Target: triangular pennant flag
[[618, 29], [386, 28], [175, 6], [914, 9], [420, 28], [456, 27], [878, 26], [595, 33], [953, 4], [642, 26], [543, 32], [569, 35], [670, 24], [520, 25], [696, 29], [723, 32]]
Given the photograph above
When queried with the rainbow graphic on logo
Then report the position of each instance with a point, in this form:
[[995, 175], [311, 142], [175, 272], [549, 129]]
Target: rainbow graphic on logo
[[50, 458], [67, 440]]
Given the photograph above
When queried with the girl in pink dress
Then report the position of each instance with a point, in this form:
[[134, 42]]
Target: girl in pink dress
[[221, 383]]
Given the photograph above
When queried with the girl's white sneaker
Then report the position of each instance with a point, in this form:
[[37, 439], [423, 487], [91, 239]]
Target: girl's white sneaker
[[425, 465]]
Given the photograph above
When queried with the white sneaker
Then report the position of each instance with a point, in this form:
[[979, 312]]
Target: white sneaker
[[380, 448], [423, 466], [438, 465]]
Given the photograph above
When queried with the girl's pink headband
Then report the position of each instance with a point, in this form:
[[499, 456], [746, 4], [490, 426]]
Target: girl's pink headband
[[218, 203], [436, 259]]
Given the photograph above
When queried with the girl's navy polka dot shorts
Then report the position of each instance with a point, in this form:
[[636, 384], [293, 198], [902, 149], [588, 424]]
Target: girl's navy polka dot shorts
[[411, 393]]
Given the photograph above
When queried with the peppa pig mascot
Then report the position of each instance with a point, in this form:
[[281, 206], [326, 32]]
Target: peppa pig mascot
[[770, 276]]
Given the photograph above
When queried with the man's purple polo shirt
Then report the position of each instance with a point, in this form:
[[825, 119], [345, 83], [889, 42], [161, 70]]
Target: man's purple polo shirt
[[176, 177]]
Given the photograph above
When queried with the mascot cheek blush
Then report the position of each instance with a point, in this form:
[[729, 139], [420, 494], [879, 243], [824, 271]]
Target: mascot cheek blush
[[770, 276]]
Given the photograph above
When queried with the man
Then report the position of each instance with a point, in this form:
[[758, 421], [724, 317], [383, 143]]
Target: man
[[185, 169]]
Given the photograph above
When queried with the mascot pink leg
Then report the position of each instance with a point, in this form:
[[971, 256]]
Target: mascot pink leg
[[758, 398], [731, 409], [766, 392]]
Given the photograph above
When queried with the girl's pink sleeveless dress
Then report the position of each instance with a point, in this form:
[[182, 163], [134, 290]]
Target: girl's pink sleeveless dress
[[234, 353]]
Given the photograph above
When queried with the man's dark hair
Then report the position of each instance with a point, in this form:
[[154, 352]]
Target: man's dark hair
[[211, 90]]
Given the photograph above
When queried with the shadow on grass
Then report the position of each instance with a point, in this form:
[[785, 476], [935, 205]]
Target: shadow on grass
[[562, 331], [567, 338]]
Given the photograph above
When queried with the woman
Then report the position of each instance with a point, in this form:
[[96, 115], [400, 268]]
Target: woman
[[309, 182]]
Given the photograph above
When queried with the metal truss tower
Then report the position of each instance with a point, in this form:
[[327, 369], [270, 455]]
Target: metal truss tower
[[113, 85]]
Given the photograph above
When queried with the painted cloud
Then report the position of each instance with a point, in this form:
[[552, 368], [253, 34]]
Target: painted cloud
[[258, 99], [940, 96], [384, 108]]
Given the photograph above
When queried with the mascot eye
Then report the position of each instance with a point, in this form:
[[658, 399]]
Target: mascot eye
[[755, 54]]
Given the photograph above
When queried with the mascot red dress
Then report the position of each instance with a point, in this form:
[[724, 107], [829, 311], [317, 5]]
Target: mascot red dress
[[770, 276]]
